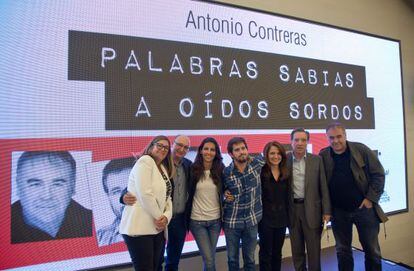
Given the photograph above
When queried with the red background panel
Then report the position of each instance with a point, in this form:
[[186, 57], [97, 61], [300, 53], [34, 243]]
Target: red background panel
[[17, 255]]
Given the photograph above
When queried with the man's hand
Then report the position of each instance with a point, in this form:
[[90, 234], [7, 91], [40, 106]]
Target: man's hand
[[366, 203], [228, 196], [326, 218], [161, 223], [129, 199]]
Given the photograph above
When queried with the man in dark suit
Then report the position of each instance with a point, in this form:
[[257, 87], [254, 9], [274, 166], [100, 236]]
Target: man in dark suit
[[177, 226], [309, 202]]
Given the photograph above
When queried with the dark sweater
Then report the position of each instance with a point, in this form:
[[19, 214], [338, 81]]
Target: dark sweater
[[275, 201], [343, 189]]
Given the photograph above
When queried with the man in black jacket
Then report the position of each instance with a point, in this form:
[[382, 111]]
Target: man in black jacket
[[177, 226], [45, 209], [356, 181]]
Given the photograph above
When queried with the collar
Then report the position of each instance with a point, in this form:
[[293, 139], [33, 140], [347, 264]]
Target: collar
[[232, 166], [177, 165], [297, 160], [347, 150]]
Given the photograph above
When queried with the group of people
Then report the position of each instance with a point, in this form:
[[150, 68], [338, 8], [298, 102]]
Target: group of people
[[167, 196]]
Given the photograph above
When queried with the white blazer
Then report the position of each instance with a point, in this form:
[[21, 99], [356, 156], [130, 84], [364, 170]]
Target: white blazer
[[146, 183]]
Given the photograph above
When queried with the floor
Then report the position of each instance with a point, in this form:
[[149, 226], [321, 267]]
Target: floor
[[329, 263]]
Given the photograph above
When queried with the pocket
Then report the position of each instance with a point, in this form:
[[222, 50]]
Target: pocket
[[365, 210]]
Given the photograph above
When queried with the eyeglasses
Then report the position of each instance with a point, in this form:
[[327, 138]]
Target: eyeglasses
[[181, 145], [162, 147]]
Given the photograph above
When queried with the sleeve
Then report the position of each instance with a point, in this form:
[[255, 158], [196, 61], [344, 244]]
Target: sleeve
[[143, 183], [324, 190], [121, 198], [168, 210], [222, 188], [224, 178], [375, 176], [260, 160]]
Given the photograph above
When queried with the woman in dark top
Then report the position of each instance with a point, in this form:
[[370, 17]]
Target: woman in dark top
[[272, 227]]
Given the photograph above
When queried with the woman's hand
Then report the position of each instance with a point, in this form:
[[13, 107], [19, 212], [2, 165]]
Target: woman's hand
[[161, 223]]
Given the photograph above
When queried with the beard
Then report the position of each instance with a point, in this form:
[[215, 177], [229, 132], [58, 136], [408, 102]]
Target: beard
[[241, 159]]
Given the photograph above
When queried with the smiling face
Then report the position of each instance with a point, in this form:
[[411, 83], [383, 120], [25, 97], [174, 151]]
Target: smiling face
[[337, 139], [208, 152], [180, 147], [239, 153], [45, 189], [159, 150], [274, 157]]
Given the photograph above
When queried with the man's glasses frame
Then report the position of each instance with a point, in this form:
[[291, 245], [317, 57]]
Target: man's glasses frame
[[181, 145]]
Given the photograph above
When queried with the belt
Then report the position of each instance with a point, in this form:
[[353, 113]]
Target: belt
[[298, 201]]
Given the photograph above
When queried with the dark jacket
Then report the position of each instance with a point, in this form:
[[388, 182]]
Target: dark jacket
[[76, 224], [187, 166], [367, 170], [191, 192]]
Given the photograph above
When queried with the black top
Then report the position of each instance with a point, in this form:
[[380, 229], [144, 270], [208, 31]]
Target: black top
[[77, 223], [342, 187], [275, 201]]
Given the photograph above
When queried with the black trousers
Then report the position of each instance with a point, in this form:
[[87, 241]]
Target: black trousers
[[271, 243], [145, 250]]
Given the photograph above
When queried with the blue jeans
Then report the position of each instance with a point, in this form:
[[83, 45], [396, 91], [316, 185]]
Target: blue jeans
[[248, 237], [206, 234], [176, 238], [367, 224]]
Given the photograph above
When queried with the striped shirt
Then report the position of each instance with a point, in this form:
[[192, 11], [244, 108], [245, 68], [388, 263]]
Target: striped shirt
[[246, 209]]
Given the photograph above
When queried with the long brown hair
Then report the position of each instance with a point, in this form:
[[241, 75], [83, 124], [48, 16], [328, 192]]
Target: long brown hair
[[167, 162], [217, 167], [284, 173]]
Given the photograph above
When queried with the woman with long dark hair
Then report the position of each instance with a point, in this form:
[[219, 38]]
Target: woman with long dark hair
[[144, 224], [205, 194], [275, 191]]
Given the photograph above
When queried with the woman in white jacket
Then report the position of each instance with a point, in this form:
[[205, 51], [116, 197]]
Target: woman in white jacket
[[144, 224]]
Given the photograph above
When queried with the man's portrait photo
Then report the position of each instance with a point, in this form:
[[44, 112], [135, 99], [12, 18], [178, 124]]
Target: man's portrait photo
[[113, 177], [45, 183]]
